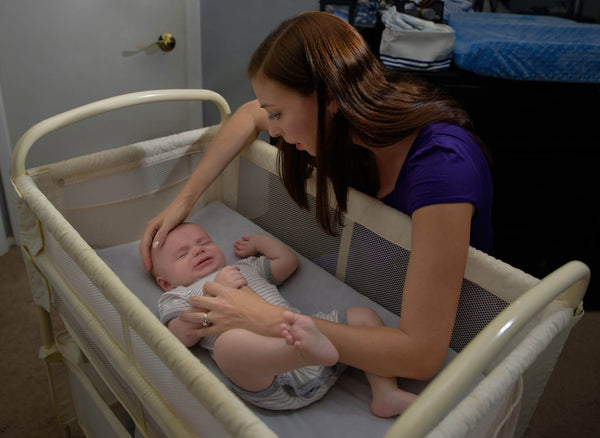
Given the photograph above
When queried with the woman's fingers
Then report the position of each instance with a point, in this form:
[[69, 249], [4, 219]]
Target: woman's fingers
[[152, 228], [195, 315], [197, 318], [214, 289], [157, 229], [205, 331]]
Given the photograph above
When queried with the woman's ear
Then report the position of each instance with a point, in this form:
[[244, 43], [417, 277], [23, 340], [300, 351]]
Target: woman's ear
[[332, 106]]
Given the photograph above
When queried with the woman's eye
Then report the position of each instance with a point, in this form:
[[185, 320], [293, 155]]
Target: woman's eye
[[274, 116]]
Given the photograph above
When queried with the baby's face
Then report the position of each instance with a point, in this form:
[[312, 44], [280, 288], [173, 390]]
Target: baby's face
[[187, 255]]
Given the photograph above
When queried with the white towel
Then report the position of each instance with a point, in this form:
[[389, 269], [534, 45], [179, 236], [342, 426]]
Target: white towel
[[412, 43]]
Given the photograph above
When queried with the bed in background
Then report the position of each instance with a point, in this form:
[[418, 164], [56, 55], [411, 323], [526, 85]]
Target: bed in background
[[529, 82], [116, 369], [526, 47]]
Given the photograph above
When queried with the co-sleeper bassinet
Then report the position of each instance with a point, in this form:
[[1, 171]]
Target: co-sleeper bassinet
[[125, 371]]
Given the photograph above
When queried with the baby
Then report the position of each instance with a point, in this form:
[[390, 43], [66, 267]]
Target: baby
[[273, 373]]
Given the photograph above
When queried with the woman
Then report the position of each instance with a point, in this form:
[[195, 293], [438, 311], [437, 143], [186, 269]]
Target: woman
[[335, 109]]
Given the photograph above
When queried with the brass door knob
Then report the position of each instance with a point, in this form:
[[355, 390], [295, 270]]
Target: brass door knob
[[166, 43]]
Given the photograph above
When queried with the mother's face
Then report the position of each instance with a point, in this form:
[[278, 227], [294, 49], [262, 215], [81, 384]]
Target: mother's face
[[291, 115]]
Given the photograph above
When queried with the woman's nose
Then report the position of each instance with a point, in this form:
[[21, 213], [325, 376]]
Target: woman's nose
[[274, 130]]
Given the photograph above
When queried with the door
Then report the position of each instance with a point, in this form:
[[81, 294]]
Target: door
[[58, 55]]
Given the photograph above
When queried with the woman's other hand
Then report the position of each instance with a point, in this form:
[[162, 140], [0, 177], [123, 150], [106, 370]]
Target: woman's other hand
[[229, 308]]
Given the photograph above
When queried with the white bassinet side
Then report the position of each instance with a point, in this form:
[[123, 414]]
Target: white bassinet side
[[533, 323], [47, 234]]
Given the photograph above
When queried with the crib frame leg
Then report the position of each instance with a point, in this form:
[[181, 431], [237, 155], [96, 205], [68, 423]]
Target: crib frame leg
[[56, 371]]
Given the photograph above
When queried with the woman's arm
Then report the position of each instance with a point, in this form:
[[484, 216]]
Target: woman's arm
[[240, 130], [417, 348]]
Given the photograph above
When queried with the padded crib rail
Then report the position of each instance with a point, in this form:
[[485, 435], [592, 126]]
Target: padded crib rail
[[568, 283], [528, 296], [102, 106]]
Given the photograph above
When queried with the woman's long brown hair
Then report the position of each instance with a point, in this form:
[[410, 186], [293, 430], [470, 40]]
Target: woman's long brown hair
[[319, 52]]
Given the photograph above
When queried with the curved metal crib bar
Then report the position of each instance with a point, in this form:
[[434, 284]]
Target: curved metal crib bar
[[75, 115]]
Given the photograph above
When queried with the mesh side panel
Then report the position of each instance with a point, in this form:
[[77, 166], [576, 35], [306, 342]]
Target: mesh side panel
[[476, 309], [86, 290], [105, 311], [173, 392], [95, 353], [377, 269], [113, 378], [264, 200], [153, 426]]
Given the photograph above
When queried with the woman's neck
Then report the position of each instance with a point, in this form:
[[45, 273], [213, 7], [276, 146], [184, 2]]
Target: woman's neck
[[390, 160]]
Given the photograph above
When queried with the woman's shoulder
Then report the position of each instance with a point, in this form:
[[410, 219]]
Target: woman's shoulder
[[445, 130], [443, 138]]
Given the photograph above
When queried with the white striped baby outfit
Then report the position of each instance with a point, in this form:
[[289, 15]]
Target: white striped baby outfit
[[290, 390]]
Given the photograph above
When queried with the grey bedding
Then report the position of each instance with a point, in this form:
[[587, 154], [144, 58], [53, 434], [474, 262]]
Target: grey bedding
[[344, 411]]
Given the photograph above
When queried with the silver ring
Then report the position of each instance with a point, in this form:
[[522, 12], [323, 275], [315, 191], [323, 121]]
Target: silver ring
[[205, 321]]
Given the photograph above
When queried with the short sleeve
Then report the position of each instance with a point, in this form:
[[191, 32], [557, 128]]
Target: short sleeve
[[172, 303], [262, 265]]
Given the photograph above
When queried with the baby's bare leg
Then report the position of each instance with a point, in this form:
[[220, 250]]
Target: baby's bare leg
[[252, 361], [387, 399]]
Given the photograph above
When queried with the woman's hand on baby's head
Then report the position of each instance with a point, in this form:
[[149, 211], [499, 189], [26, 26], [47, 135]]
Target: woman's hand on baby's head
[[245, 247], [231, 276]]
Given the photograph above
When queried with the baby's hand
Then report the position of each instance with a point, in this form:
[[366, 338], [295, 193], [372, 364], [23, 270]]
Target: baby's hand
[[245, 247], [231, 276]]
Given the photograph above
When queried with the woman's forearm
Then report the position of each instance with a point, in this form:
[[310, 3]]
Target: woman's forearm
[[418, 346], [268, 321], [384, 351], [240, 130]]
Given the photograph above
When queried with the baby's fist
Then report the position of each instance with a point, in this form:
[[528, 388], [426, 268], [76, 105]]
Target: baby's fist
[[245, 247], [231, 276]]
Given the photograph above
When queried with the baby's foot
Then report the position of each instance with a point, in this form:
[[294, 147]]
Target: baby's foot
[[391, 403], [301, 332]]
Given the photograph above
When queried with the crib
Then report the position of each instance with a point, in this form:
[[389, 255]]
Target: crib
[[117, 371]]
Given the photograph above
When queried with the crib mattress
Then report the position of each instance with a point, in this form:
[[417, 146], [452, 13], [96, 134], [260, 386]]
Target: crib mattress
[[344, 411], [527, 47]]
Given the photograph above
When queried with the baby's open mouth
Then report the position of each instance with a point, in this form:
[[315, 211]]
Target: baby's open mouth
[[202, 262]]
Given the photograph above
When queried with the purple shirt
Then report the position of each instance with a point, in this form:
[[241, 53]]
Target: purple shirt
[[446, 165]]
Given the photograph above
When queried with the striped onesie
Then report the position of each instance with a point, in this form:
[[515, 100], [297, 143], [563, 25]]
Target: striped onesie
[[290, 390]]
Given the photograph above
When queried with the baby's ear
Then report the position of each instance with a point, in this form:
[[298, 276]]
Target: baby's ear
[[164, 284]]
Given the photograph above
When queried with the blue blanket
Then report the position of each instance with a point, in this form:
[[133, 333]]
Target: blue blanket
[[527, 47]]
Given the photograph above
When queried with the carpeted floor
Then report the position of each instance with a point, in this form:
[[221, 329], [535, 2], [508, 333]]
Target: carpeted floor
[[568, 408]]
